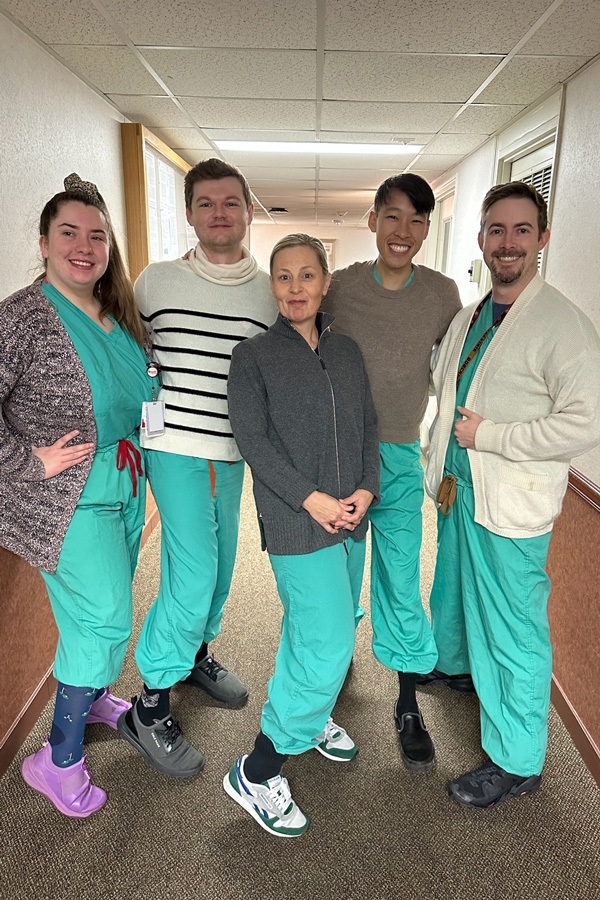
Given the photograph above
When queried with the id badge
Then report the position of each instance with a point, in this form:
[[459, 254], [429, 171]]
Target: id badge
[[153, 418]]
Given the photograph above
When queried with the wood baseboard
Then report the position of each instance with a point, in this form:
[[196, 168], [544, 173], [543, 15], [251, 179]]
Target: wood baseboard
[[590, 752], [15, 738]]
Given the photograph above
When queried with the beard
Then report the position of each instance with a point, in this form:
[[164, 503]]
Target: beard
[[506, 277]]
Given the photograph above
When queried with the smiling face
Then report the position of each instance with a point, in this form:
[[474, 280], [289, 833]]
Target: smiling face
[[400, 231], [510, 242], [299, 284], [220, 217], [76, 249]]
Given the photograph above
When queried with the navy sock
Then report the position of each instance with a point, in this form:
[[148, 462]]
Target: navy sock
[[264, 762], [202, 653], [407, 701], [68, 725], [153, 705]]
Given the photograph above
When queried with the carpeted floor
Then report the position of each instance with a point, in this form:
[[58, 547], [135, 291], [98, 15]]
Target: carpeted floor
[[378, 832]]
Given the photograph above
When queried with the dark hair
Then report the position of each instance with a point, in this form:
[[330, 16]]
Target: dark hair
[[300, 239], [416, 189], [212, 170], [113, 290], [523, 192]]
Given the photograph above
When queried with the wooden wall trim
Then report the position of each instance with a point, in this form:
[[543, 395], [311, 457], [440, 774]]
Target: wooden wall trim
[[587, 747], [585, 488]]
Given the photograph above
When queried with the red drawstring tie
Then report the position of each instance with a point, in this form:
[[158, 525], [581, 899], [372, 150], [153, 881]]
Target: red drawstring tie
[[128, 454]]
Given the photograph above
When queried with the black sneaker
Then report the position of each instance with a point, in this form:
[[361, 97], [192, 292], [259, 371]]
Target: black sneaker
[[489, 785], [462, 683], [162, 744], [219, 682], [416, 746]]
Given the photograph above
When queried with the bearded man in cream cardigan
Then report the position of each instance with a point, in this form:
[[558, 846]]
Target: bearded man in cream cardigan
[[522, 370]]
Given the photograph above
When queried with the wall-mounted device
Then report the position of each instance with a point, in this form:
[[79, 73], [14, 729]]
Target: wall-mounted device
[[475, 271]]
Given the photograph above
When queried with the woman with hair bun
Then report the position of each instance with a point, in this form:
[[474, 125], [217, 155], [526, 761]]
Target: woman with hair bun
[[73, 377]]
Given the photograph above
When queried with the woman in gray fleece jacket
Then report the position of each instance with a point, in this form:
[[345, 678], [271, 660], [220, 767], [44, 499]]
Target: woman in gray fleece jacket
[[301, 411]]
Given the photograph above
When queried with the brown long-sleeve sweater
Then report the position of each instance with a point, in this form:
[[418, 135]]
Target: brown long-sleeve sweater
[[396, 331]]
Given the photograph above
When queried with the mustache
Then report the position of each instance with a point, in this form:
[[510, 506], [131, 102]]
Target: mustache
[[517, 254]]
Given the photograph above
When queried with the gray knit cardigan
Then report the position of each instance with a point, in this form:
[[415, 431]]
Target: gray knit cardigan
[[44, 393], [303, 423]]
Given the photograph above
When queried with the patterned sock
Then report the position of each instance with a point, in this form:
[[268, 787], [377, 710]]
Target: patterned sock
[[68, 725], [154, 704]]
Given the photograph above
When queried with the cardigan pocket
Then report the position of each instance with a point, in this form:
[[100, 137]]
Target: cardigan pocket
[[524, 499]]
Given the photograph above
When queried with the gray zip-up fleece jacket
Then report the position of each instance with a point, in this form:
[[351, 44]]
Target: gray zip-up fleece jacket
[[304, 422]]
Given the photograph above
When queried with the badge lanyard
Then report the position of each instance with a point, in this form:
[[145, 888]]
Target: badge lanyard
[[469, 359], [153, 411]]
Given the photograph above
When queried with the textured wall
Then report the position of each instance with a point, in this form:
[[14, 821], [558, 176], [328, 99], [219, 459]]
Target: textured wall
[[51, 124]]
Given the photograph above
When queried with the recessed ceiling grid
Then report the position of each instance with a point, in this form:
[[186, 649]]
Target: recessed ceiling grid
[[444, 75]]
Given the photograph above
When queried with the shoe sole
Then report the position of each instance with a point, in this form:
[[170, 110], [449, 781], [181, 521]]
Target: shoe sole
[[31, 777], [238, 703], [343, 759], [129, 736], [235, 795], [528, 787]]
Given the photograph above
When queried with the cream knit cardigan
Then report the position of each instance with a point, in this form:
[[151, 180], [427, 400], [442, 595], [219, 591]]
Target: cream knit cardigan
[[538, 390]]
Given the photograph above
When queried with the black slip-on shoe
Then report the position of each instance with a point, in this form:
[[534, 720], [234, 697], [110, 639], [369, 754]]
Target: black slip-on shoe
[[462, 683], [416, 746], [489, 785]]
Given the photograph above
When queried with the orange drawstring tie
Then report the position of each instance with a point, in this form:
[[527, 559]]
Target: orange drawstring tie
[[128, 454]]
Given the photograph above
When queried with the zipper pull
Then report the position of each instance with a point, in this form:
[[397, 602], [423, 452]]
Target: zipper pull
[[322, 364]]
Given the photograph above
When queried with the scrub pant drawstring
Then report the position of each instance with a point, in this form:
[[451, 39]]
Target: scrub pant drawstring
[[128, 454]]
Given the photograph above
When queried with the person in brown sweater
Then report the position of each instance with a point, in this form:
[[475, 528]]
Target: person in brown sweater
[[396, 312]]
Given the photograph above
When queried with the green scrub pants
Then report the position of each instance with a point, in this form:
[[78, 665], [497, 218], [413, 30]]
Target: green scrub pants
[[402, 638], [319, 592], [488, 610], [199, 505], [90, 592]]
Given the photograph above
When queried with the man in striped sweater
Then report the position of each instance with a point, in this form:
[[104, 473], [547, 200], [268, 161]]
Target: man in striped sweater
[[196, 310]]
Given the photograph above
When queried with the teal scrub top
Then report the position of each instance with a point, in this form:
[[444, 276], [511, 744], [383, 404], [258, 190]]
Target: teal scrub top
[[115, 366], [457, 458]]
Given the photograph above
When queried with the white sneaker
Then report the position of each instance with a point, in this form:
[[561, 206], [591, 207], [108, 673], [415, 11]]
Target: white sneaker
[[270, 802], [335, 743]]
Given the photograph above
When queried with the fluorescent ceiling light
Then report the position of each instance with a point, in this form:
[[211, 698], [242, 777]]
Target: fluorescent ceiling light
[[320, 147]]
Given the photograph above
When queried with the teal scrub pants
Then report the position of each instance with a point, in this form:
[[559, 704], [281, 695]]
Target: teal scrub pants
[[199, 505], [402, 638], [90, 592], [488, 610], [319, 592]]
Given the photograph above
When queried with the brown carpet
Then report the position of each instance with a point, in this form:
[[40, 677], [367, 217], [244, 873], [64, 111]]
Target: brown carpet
[[378, 832]]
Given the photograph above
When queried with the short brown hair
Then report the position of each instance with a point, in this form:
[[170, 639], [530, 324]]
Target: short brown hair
[[212, 170], [520, 190], [300, 239]]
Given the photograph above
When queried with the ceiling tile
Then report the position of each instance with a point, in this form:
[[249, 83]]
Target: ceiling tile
[[190, 138], [455, 143], [403, 119], [246, 159], [482, 119], [192, 156], [63, 21], [427, 162], [358, 161], [113, 70], [228, 23], [223, 113], [525, 78], [573, 29], [431, 26], [372, 176], [429, 174], [155, 112], [371, 137], [238, 73], [392, 76]]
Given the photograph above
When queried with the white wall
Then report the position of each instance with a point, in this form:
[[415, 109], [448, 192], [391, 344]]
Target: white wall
[[572, 255], [352, 244], [51, 125]]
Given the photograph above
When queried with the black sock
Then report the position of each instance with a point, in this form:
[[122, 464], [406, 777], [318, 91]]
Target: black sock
[[264, 762], [153, 705], [407, 701], [202, 653]]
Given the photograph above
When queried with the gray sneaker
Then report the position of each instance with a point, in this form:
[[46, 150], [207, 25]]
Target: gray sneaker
[[162, 744], [219, 682]]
